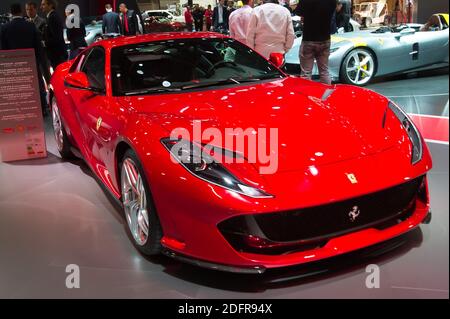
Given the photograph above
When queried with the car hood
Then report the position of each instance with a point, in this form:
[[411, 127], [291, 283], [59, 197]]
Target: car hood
[[315, 124]]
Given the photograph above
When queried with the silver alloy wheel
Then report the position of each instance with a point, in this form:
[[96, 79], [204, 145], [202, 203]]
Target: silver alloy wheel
[[360, 67], [134, 201], [57, 126]]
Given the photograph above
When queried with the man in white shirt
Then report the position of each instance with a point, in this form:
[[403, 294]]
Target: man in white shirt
[[239, 21], [270, 29]]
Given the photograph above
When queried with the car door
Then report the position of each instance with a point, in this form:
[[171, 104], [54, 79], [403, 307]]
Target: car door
[[397, 52], [90, 104], [433, 46]]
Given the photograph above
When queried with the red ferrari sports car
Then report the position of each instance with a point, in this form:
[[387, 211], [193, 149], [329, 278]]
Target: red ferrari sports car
[[349, 165]]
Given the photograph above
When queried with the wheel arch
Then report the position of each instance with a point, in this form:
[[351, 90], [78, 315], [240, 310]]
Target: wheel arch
[[119, 152]]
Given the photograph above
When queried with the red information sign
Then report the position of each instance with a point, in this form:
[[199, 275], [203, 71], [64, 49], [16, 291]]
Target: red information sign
[[22, 133]]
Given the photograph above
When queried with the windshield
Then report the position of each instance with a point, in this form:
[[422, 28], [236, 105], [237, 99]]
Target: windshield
[[185, 64], [397, 28]]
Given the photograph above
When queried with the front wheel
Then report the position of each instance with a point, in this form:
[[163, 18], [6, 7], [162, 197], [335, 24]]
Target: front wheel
[[358, 67], [143, 222]]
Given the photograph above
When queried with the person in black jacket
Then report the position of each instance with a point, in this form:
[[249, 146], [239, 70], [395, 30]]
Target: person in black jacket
[[54, 34], [128, 21], [75, 35], [220, 17], [198, 14], [111, 21], [317, 16], [21, 34], [342, 18]]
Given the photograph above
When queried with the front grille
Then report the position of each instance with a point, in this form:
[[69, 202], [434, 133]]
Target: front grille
[[312, 227]]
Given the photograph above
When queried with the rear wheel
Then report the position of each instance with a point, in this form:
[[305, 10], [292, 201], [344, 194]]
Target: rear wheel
[[358, 67], [62, 141], [143, 222]]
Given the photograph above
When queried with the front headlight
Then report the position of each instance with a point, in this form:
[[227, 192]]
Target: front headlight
[[411, 129], [199, 163]]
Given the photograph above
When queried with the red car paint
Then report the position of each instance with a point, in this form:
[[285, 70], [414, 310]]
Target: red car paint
[[339, 135]]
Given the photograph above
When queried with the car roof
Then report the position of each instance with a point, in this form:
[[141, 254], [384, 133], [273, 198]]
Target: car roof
[[123, 41]]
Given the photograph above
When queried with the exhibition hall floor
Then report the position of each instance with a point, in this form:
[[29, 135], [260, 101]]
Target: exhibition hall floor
[[54, 213]]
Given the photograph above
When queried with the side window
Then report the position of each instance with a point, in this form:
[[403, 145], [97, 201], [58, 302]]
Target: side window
[[76, 66], [94, 67]]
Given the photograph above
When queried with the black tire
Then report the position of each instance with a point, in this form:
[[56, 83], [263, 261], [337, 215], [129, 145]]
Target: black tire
[[65, 148], [153, 245], [343, 72]]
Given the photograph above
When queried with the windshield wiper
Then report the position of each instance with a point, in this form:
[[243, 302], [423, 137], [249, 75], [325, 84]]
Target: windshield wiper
[[208, 84], [154, 90], [226, 81]]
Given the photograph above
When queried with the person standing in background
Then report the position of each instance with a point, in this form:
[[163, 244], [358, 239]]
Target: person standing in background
[[230, 7], [54, 34], [21, 34], [32, 16], [110, 21], [342, 18], [220, 17], [129, 24], [197, 14], [39, 22], [317, 18], [188, 19], [270, 29], [240, 20], [76, 36], [208, 18]]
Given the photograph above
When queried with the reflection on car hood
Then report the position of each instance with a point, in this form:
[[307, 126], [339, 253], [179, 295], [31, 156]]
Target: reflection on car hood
[[317, 125]]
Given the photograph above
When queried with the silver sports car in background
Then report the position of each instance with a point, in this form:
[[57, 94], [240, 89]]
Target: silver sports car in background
[[94, 33], [357, 57]]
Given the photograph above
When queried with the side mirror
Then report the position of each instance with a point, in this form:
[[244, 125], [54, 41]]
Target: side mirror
[[277, 59], [80, 81], [77, 80]]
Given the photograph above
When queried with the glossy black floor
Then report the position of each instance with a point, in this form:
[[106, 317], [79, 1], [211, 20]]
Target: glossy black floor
[[54, 213]]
